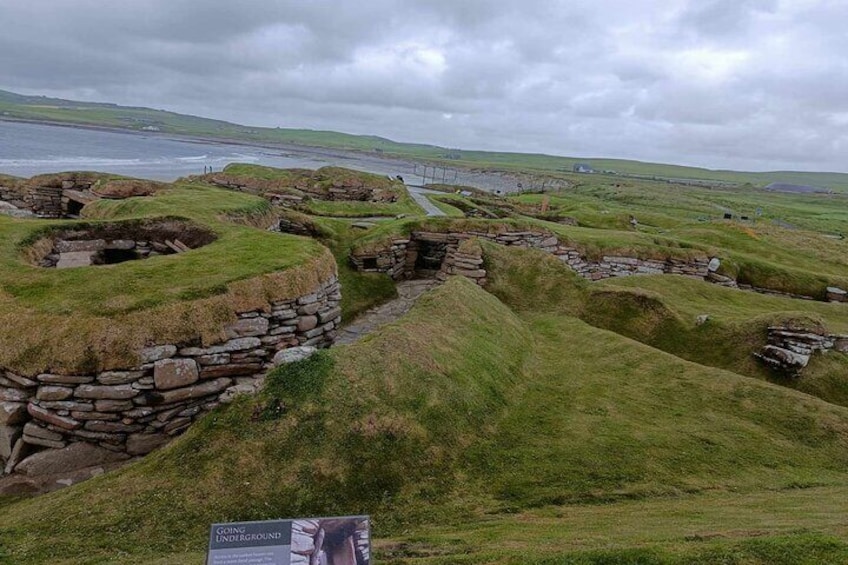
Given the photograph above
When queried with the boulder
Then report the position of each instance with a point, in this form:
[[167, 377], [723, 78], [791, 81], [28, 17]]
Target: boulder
[[72, 458], [13, 395], [118, 377], [9, 436], [175, 373], [74, 259], [157, 352], [12, 413], [19, 452], [64, 379], [293, 354], [197, 391], [836, 294], [247, 327], [88, 246], [714, 264], [307, 323], [53, 393]]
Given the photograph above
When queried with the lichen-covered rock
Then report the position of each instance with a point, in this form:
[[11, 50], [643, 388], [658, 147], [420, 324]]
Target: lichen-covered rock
[[175, 373], [293, 354]]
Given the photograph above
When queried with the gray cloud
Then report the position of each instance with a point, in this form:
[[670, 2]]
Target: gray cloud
[[720, 83]]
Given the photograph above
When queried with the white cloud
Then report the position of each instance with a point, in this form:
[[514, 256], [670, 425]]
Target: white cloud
[[724, 83]]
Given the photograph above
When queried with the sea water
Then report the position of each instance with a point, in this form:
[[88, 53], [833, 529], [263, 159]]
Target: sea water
[[31, 149]]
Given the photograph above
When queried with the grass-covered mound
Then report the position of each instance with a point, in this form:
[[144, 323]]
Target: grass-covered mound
[[85, 318], [789, 242], [328, 191], [662, 311], [462, 426]]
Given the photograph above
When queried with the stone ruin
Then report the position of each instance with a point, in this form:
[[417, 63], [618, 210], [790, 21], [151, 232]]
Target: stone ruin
[[117, 242], [789, 350], [64, 195], [326, 183], [60, 428], [424, 254]]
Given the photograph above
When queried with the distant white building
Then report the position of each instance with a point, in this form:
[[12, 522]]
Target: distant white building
[[583, 168]]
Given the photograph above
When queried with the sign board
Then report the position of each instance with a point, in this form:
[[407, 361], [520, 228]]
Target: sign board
[[312, 541]]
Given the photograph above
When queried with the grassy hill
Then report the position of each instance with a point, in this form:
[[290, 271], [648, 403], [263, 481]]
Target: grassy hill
[[45, 109], [543, 420], [60, 318], [467, 425]]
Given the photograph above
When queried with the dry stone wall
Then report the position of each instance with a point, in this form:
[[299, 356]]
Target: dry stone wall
[[13, 196], [119, 414], [402, 257], [789, 350]]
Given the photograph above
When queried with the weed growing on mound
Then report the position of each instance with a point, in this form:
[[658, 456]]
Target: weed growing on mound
[[293, 383]]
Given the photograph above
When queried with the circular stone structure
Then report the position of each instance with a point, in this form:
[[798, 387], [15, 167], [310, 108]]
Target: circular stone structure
[[99, 366], [117, 242]]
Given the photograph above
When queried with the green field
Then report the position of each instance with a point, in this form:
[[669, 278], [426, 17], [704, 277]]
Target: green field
[[540, 420], [476, 434], [53, 317]]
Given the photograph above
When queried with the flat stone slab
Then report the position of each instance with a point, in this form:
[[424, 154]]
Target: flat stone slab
[[74, 259], [72, 458], [175, 373]]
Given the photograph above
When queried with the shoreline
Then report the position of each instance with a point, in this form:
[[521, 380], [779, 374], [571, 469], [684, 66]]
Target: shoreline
[[488, 179], [186, 138]]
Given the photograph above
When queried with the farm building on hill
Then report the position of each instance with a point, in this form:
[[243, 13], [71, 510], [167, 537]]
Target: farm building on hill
[[583, 168]]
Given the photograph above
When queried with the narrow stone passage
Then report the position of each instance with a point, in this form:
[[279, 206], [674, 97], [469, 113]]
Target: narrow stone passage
[[408, 293]]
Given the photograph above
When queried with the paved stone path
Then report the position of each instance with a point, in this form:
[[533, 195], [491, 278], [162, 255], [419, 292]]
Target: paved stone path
[[408, 293], [419, 194]]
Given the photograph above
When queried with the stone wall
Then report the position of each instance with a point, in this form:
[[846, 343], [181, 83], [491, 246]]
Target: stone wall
[[465, 259], [789, 350], [45, 201], [52, 196], [12, 195], [119, 414], [324, 184], [398, 259]]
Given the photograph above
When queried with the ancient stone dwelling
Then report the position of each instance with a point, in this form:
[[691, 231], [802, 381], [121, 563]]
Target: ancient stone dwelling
[[59, 426], [328, 183], [64, 195]]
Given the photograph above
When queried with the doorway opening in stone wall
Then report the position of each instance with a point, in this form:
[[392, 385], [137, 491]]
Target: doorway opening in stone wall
[[431, 255], [74, 208]]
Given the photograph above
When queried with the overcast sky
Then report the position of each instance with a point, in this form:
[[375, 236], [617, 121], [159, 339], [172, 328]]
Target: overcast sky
[[752, 84]]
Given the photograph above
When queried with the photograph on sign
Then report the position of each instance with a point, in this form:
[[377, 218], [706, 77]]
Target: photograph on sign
[[314, 541], [331, 541]]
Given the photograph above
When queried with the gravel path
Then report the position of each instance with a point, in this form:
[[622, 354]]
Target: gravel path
[[408, 293]]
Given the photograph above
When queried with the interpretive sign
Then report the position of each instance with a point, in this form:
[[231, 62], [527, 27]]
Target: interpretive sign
[[312, 541]]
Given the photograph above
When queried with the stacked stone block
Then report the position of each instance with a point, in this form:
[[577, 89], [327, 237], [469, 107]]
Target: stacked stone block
[[132, 411], [398, 259], [789, 350]]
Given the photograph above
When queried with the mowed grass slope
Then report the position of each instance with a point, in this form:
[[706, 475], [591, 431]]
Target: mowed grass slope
[[461, 427], [662, 311]]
